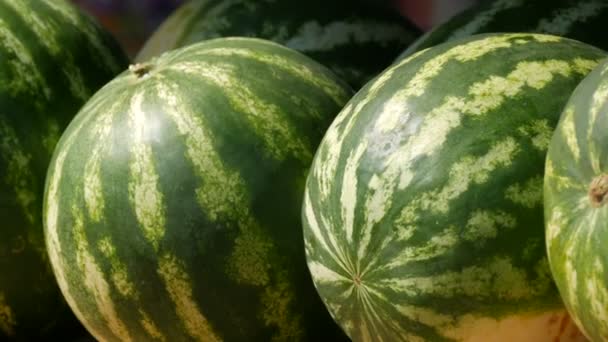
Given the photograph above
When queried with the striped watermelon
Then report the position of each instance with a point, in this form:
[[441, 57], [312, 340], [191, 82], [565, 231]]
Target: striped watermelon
[[172, 201], [576, 184], [52, 59], [582, 20], [354, 39], [423, 214]]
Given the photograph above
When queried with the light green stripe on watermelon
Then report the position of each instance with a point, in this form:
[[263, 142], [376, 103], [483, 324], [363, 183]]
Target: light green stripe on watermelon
[[18, 176], [572, 19], [265, 118], [313, 36], [30, 79], [144, 193], [92, 178], [304, 72], [179, 288], [355, 40], [221, 195], [78, 20], [483, 18], [529, 194], [95, 282], [565, 19], [422, 209], [50, 38]]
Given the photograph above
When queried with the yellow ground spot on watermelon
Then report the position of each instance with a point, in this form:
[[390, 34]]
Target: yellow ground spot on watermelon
[[301, 71], [29, 80], [266, 119], [18, 171], [484, 224], [497, 278], [529, 195], [540, 326], [144, 194], [277, 311], [424, 315], [348, 197], [222, 192], [483, 18], [151, 328], [329, 245], [561, 23], [568, 130], [539, 132], [51, 135], [7, 317], [330, 150], [95, 283], [469, 170], [179, 287], [250, 262], [90, 30]]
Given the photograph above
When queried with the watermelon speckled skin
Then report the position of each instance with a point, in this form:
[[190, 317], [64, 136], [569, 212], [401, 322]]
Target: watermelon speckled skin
[[583, 20], [355, 40], [172, 202], [423, 215], [576, 184], [52, 59]]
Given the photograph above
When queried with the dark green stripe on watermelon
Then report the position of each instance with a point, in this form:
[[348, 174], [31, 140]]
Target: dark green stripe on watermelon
[[172, 205], [52, 58], [583, 20]]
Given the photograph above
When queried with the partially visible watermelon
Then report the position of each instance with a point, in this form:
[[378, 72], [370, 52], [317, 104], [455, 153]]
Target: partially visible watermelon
[[575, 198], [423, 216], [583, 20], [356, 40], [52, 59]]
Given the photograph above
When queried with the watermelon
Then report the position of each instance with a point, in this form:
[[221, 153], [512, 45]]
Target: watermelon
[[575, 188], [52, 60], [423, 217], [172, 204], [356, 40], [582, 20]]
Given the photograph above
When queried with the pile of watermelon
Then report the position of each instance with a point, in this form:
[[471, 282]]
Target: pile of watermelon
[[273, 170]]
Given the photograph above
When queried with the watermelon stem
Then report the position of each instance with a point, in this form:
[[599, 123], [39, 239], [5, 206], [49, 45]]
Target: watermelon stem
[[598, 190], [140, 69]]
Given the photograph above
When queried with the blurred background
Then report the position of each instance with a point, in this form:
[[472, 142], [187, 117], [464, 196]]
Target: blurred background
[[133, 21]]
